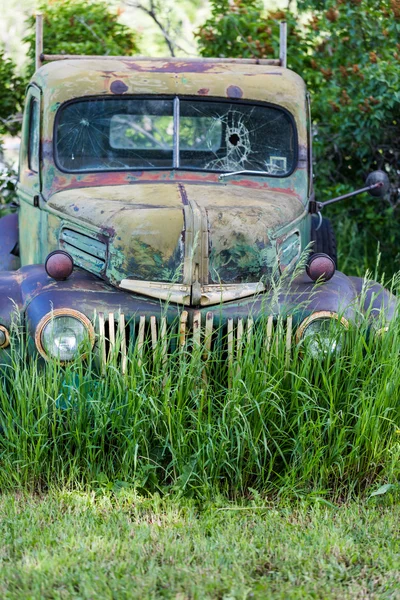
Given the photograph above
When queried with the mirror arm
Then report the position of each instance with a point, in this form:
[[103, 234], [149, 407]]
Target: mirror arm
[[320, 205]]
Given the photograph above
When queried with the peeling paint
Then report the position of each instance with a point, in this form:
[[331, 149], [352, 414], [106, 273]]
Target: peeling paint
[[136, 232], [234, 91], [118, 87]]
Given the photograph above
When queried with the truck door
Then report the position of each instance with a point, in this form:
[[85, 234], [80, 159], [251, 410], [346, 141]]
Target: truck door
[[29, 181]]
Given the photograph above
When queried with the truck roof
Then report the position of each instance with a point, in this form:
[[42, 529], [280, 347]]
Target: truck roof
[[227, 78]]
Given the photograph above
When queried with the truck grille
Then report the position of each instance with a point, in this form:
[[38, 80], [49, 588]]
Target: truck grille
[[117, 335]]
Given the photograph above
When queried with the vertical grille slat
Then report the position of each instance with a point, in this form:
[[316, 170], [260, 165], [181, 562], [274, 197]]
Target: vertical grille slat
[[197, 328], [268, 338], [208, 334], [250, 324], [182, 328], [289, 327], [140, 343], [116, 334], [239, 347], [121, 336], [153, 328], [278, 334], [102, 336], [111, 331], [164, 341], [230, 343]]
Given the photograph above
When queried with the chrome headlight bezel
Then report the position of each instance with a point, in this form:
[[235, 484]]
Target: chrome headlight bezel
[[6, 335], [322, 315], [54, 314]]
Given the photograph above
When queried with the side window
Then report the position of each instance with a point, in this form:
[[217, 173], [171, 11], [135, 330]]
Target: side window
[[309, 143], [33, 151]]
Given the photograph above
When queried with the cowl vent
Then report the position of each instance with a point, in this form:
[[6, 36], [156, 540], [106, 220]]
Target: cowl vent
[[87, 252]]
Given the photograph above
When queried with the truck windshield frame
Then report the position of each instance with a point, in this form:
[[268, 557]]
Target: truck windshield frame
[[96, 134]]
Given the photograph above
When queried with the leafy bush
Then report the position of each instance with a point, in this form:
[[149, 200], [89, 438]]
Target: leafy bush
[[8, 182], [81, 27], [11, 96], [345, 53], [354, 76]]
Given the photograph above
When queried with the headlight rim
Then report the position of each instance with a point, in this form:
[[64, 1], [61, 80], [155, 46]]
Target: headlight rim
[[319, 315], [62, 312], [6, 343]]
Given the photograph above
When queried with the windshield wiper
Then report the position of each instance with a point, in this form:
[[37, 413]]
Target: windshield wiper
[[245, 172]]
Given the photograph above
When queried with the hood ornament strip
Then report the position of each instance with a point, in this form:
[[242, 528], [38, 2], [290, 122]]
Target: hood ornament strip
[[182, 294]]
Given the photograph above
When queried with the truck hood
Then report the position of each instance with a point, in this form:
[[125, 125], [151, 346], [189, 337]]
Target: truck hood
[[195, 244]]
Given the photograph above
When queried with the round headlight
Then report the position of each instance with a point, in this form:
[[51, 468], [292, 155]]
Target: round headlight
[[62, 332], [321, 334]]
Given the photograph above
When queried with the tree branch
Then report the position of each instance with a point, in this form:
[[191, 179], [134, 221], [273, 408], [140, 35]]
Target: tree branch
[[152, 13]]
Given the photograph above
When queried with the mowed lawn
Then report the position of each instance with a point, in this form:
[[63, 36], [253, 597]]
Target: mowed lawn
[[104, 545]]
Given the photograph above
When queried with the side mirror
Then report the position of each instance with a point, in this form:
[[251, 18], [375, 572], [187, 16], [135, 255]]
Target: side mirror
[[378, 177], [377, 184]]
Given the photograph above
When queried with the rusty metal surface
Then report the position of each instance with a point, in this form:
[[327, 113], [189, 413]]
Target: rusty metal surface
[[102, 77], [9, 234], [76, 78], [31, 290], [374, 298], [164, 227], [207, 249], [187, 235]]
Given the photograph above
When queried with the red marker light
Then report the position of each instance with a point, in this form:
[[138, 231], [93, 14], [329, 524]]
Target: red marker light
[[320, 266], [59, 265]]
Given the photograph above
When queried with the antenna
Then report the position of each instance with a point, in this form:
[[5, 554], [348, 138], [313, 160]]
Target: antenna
[[39, 41], [283, 43]]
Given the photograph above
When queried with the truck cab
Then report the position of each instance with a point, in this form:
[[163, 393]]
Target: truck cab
[[154, 191]]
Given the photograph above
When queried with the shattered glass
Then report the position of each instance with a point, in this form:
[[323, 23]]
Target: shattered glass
[[257, 138], [111, 135], [120, 134]]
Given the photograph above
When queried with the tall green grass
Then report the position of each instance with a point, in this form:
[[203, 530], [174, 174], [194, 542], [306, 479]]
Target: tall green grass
[[311, 426]]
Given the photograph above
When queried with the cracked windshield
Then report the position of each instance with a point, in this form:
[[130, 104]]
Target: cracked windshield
[[121, 134]]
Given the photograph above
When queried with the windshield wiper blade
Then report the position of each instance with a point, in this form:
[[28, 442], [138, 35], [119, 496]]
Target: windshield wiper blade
[[244, 172]]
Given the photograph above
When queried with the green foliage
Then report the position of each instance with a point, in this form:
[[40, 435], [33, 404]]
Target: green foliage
[[346, 53], [8, 184], [354, 76], [121, 545], [81, 27], [175, 423], [241, 29], [10, 97]]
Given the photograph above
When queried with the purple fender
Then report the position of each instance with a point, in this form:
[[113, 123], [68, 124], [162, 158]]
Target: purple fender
[[31, 291], [9, 259]]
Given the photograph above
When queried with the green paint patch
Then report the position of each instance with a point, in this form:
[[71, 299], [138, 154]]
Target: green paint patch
[[141, 261], [242, 263]]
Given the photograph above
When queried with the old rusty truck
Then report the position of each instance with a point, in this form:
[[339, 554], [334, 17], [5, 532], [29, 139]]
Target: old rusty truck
[[159, 193]]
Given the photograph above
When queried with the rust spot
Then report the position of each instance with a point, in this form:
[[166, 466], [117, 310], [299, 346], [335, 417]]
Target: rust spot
[[183, 194], [203, 91], [234, 91], [176, 67], [118, 87]]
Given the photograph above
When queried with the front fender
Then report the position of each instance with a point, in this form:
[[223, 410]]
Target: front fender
[[32, 292]]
